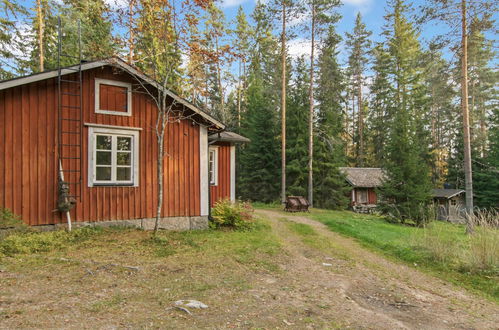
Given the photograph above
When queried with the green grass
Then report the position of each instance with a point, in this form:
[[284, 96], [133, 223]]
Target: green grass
[[446, 257]]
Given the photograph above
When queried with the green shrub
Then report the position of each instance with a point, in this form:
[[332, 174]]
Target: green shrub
[[9, 220], [11, 224], [35, 242], [226, 214]]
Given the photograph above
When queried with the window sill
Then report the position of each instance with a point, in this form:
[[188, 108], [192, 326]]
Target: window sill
[[112, 185]]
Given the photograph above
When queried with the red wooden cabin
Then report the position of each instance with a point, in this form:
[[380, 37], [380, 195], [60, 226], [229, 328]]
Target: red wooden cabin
[[108, 151], [364, 182]]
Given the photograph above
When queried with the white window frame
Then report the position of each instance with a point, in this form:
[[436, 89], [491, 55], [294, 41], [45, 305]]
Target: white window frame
[[214, 177], [99, 82], [92, 153]]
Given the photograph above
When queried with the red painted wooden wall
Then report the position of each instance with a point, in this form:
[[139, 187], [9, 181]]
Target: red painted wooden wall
[[372, 198], [28, 158], [222, 189]]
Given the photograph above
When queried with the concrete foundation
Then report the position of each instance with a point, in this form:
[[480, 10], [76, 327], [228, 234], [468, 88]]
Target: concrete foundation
[[169, 223]]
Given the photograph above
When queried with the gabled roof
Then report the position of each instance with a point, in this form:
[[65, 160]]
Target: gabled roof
[[446, 193], [226, 136], [112, 61], [363, 177]]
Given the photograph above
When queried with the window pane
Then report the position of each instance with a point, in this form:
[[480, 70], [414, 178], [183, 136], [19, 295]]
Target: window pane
[[123, 174], [104, 142], [124, 143], [103, 173], [124, 158], [103, 158]]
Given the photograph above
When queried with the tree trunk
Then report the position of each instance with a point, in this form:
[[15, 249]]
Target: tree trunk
[[347, 127], [160, 136], [219, 82], [39, 15], [468, 176], [283, 106], [361, 120], [311, 116], [355, 149], [239, 97]]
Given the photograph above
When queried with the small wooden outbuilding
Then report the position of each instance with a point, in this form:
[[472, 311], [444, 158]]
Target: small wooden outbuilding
[[450, 204], [222, 165], [364, 182]]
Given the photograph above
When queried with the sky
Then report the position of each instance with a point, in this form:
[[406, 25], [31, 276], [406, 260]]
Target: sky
[[371, 10]]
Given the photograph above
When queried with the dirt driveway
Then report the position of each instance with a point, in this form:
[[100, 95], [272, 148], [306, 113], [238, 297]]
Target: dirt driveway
[[277, 278], [361, 289]]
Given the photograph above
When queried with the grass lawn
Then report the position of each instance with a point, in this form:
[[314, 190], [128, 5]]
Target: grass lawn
[[442, 249], [109, 274]]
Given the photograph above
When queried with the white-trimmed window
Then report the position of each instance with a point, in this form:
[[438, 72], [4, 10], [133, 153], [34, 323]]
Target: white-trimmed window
[[113, 157], [213, 166], [113, 97]]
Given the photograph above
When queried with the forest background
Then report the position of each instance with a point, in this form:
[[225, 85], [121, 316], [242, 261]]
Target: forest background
[[360, 83]]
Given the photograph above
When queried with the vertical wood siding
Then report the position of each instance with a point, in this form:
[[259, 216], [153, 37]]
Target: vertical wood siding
[[372, 198], [28, 157], [222, 189]]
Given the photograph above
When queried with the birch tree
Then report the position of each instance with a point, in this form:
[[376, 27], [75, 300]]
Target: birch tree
[[160, 45]]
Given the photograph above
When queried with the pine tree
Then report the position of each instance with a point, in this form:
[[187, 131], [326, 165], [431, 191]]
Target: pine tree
[[321, 15], [442, 115], [457, 14], [96, 33], [219, 53], [406, 190], [482, 85], [330, 191], [359, 44], [243, 33], [285, 10]]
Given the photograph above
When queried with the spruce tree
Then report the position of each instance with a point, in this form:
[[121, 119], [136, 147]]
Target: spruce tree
[[9, 10], [487, 169], [259, 160], [381, 107], [330, 189], [359, 44], [297, 137], [407, 187]]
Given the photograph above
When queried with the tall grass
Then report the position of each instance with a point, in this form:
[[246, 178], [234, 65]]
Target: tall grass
[[474, 253], [440, 247], [483, 253]]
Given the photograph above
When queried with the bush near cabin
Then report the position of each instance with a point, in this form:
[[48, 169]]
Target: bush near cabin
[[237, 215]]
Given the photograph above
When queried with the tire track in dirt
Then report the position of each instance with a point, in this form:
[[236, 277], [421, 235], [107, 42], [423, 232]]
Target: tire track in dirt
[[366, 290]]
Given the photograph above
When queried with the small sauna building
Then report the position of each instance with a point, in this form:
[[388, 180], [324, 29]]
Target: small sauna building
[[364, 181]]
